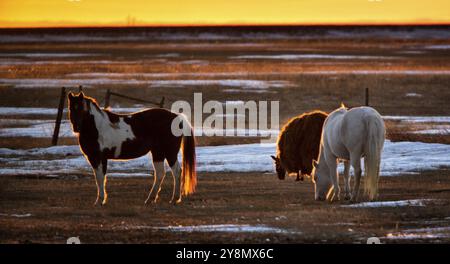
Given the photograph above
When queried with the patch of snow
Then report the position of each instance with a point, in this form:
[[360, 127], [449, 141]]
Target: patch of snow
[[155, 75], [397, 158], [16, 215], [438, 47], [226, 228], [405, 72], [311, 56], [45, 128], [257, 91], [168, 55], [419, 119], [57, 83], [20, 122], [411, 52], [48, 55], [379, 72], [221, 74], [42, 129], [63, 62], [435, 130], [417, 202], [413, 95], [20, 111], [28, 111], [253, 84], [421, 233], [193, 62]]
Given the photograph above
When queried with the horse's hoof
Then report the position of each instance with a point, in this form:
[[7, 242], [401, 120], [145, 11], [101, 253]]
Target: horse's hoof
[[175, 202], [98, 203], [330, 201]]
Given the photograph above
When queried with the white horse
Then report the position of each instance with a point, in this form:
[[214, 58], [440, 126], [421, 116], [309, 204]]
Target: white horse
[[349, 135]]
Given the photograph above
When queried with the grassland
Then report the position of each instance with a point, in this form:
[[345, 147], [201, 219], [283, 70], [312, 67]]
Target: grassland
[[63, 207]]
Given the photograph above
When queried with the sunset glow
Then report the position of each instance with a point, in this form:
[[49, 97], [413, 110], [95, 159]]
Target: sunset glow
[[43, 13]]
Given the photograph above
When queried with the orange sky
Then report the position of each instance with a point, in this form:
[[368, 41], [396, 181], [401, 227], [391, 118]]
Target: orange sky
[[35, 13]]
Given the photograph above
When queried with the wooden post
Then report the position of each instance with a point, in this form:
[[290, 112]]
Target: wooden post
[[107, 97], [62, 99], [367, 97], [161, 104], [80, 89]]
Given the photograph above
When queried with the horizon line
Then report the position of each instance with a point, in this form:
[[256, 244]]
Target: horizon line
[[212, 25], [72, 24]]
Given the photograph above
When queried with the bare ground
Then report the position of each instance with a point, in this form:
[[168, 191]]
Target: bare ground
[[63, 207]]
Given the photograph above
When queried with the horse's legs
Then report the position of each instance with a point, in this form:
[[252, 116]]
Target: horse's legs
[[347, 195], [160, 172], [355, 160], [334, 177], [153, 185], [176, 174], [159, 175], [100, 180]]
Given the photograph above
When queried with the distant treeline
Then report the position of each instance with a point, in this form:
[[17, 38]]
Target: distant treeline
[[215, 33]]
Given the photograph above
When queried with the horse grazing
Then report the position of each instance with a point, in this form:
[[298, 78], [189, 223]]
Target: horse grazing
[[349, 135], [103, 135], [298, 144]]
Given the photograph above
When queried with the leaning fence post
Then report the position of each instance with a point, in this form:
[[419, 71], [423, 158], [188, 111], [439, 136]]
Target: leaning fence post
[[367, 97], [107, 97], [161, 104], [62, 99]]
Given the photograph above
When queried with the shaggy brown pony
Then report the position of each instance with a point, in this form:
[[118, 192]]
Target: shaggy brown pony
[[298, 144]]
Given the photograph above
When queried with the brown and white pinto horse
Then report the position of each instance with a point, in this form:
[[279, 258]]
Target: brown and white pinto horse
[[103, 135]]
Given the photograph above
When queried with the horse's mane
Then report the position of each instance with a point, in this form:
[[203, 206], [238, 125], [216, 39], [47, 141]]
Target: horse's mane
[[93, 102], [299, 140]]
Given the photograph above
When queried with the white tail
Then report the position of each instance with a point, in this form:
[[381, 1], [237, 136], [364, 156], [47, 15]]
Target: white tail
[[376, 135]]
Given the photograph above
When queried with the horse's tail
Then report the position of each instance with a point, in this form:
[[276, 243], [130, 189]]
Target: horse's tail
[[376, 134], [188, 174]]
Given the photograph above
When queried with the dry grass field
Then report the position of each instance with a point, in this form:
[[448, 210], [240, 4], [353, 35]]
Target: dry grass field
[[63, 207]]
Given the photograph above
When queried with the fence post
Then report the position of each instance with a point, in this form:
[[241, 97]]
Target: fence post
[[80, 89], [62, 99], [161, 104], [107, 97], [367, 97]]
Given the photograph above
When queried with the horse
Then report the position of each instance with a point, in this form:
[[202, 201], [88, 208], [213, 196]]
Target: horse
[[103, 135], [349, 135], [298, 144]]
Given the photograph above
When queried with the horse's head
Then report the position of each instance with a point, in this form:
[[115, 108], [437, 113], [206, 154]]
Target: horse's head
[[279, 168], [77, 110], [321, 180]]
